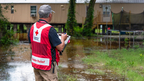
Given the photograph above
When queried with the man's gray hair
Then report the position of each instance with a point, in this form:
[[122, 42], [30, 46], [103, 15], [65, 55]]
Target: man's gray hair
[[44, 11]]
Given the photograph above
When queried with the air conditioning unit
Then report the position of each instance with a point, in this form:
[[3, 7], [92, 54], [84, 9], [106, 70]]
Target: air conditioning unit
[[33, 14]]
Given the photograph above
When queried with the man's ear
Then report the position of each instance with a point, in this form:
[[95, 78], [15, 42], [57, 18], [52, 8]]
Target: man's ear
[[50, 15]]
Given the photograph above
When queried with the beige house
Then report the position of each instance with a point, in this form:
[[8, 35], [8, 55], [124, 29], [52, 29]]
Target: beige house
[[25, 12]]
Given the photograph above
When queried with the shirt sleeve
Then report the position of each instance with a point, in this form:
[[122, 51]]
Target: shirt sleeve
[[53, 37], [29, 36]]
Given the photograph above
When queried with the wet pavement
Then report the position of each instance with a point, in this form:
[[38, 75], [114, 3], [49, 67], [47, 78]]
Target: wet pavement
[[15, 62]]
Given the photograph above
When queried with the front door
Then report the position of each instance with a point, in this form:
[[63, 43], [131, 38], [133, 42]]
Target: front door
[[106, 13]]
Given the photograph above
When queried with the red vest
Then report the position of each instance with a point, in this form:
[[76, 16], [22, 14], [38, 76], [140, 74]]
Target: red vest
[[41, 47]]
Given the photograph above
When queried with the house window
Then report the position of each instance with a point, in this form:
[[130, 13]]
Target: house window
[[12, 9], [106, 10], [33, 11]]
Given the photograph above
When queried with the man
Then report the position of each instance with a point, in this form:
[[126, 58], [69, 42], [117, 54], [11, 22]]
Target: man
[[45, 45]]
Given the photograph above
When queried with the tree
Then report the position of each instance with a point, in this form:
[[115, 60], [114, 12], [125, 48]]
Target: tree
[[87, 31], [7, 35], [3, 20], [71, 21]]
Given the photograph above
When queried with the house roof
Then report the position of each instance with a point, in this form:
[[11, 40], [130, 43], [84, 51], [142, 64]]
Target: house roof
[[66, 1]]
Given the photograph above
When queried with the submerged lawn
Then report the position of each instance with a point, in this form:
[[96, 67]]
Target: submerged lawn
[[129, 64]]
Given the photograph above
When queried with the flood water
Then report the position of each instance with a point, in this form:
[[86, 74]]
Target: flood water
[[15, 62]]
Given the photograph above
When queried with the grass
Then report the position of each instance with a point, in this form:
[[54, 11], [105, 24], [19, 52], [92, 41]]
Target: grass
[[100, 72], [100, 30], [57, 29], [126, 63], [65, 77]]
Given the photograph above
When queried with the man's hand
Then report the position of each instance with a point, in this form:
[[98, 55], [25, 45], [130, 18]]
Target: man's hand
[[63, 38]]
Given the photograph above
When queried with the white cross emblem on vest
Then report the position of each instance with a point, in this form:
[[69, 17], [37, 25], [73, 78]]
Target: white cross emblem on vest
[[37, 32]]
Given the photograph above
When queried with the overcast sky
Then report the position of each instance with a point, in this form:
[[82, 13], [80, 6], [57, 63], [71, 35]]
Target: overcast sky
[[50, 1], [65, 1]]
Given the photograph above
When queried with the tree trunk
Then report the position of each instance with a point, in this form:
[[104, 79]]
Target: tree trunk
[[71, 21], [87, 31]]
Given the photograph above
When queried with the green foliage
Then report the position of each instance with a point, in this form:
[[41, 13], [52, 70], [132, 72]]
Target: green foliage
[[66, 77], [7, 35], [71, 21], [100, 72], [71, 25], [126, 42], [141, 57], [78, 31], [136, 46], [127, 63], [87, 31], [143, 42]]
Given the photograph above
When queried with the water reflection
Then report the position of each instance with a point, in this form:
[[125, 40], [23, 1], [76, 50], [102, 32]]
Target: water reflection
[[20, 71], [15, 63], [3, 64]]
